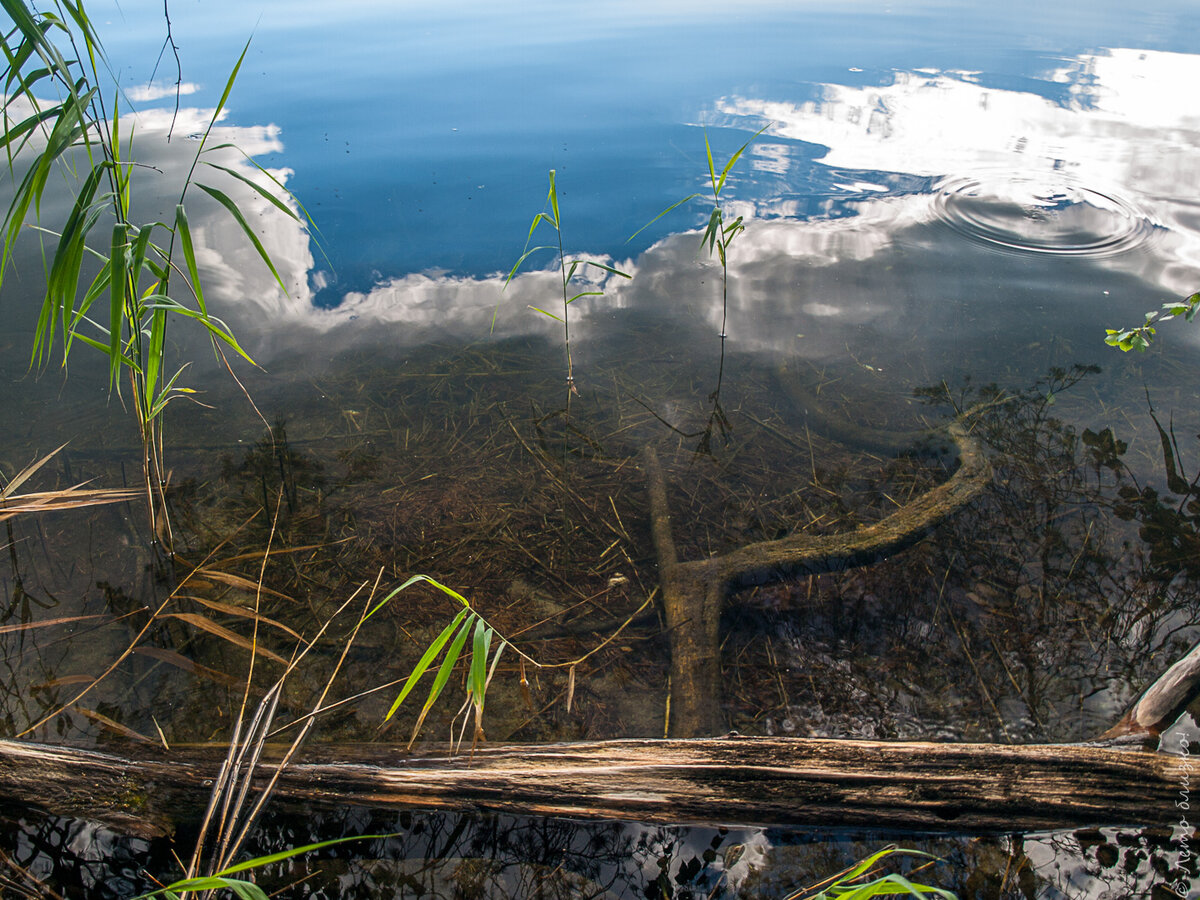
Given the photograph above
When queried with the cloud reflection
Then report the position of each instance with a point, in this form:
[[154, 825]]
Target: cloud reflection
[[924, 161]]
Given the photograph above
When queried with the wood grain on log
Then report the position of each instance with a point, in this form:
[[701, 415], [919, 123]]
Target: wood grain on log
[[732, 781]]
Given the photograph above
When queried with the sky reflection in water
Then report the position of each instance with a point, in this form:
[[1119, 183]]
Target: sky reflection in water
[[940, 187], [1024, 149]]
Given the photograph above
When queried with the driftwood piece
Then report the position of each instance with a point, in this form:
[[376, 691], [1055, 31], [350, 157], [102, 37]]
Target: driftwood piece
[[1160, 704], [694, 591], [965, 788]]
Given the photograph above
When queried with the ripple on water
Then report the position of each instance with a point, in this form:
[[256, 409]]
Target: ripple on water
[[1053, 216]]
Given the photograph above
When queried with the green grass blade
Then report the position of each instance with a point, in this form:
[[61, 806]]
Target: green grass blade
[[479, 660], [712, 169], [553, 198], [118, 280], [426, 660], [201, 883], [258, 189], [443, 674], [584, 294], [27, 125], [670, 208], [524, 256], [245, 226], [189, 255], [733, 159], [229, 84], [544, 313], [413, 579], [609, 269]]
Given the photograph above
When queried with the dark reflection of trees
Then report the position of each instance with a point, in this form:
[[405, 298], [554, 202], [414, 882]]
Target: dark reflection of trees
[[450, 855], [1035, 615]]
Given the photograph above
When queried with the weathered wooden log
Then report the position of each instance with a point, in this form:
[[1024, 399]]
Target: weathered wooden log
[[694, 591], [965, 788]]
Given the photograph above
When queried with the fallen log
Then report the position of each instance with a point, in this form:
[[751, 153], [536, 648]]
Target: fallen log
[[962, 788]]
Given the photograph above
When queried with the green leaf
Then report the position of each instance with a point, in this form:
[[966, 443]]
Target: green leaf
[[525, 256], [249, 232], [443, 674], [553, 198], [257, 188], [479, 659], [426, 660], [733, 159], [544, 313], [585, 294], [204, 883], [189, 254], [670, 208], [118, 281]]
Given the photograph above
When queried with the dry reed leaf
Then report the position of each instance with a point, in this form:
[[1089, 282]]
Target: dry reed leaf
[[225, 634], [238, 581], [63, 681], [235, 610], [22, 476], [182, 662], [62, 620], [112, 725], [57, 501]]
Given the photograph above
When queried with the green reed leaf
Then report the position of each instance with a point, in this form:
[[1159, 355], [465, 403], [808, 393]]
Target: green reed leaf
[[524, 256], [118, 280], [189, 254], [479, 660], [443, 674], [245, 226], [257, 188], [585, 294], [426, 660], [544, 313]]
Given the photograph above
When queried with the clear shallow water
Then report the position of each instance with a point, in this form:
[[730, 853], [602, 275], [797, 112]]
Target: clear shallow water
[[943, 196]]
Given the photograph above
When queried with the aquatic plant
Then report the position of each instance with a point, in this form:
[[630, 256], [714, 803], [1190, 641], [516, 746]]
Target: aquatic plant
[[719, 234], [849, 885], [77, 137], [568, 268]]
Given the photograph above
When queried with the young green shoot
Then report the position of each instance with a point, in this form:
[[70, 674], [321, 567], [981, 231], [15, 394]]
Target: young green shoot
[[568, 268]]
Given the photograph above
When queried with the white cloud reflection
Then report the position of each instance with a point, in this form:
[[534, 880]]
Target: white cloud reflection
[[148, 93], [1124, 131]]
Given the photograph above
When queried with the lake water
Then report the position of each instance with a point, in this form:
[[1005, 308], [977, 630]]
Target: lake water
[[946, 207]]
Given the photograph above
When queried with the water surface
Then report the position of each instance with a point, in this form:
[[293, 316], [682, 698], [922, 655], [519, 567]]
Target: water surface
[[947, 207]]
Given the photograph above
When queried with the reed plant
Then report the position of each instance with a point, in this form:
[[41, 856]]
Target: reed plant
[[568, 269], [719, 234], [863, 880], [63, 123]]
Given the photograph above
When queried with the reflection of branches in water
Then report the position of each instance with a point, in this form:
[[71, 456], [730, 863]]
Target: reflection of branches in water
[[450, 855], [75, 858], [1033, 615]]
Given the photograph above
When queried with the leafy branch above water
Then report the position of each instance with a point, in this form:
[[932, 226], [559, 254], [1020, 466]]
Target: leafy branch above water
[[1139, 338]]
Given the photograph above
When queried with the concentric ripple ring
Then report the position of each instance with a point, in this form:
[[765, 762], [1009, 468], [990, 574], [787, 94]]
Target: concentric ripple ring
[[1053, 216]]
